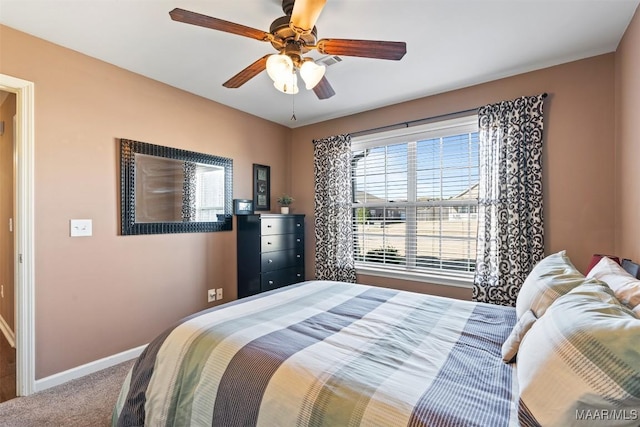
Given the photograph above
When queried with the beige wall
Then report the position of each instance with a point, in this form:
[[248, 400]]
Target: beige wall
[[627, 185], [101, 295], [578, 159], [7, 111]]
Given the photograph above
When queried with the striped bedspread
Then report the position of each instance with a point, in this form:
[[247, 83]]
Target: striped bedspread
[[326, 353]]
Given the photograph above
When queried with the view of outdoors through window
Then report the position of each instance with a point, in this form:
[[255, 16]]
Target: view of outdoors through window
[[415, 203]]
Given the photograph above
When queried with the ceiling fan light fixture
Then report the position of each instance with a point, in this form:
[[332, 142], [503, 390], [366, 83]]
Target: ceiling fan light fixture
[[311, 73], [288, 85], [279, 67]]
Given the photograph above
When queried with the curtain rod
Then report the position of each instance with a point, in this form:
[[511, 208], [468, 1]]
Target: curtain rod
[[419, 121], [412, 122]]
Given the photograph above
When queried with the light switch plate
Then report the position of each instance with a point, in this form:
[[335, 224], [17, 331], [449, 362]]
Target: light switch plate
[[81, 227]]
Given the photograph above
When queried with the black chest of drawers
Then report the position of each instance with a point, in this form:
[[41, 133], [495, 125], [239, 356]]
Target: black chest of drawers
[[270, 252]]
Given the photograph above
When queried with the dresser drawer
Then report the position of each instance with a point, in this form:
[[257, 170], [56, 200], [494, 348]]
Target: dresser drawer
[[284, 277], [281, 225], [278, 242], [278, 260]]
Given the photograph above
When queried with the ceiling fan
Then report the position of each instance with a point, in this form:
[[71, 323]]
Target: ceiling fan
[[292, 36]]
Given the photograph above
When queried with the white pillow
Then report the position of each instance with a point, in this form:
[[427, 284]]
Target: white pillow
[[582, 359], [511, 345], [551, 278], [624, 285]]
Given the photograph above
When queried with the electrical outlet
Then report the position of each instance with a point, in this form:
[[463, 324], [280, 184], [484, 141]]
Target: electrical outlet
[[80, 227], [211, 295], [219, 294]]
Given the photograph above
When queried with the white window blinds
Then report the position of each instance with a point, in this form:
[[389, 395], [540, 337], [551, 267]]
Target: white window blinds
[[415, 197]]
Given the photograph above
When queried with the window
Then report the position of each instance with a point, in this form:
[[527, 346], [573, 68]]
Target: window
[[415, 207]]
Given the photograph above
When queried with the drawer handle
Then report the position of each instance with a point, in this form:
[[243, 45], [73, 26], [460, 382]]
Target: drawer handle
[[298, 224], [270, 261], [298, 240], [271, 282], [298, 256], [268, 243], [298, 275]]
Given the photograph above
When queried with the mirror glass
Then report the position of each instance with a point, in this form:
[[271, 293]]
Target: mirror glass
[[166, 190]]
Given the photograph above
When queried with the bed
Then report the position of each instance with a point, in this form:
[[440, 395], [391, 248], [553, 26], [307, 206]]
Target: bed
[[323, 353], [328, 353]]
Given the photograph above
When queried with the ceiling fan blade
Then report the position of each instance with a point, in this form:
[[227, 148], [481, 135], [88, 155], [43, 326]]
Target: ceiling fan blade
[[323, 89], [305, 14], [247, 74], [194, 18], [363, 48]]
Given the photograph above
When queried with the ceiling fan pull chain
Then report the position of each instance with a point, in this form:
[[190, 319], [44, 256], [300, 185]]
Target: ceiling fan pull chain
[[293, 106]]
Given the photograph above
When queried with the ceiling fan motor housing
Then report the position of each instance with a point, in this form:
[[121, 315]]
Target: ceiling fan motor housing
[[282, 31]]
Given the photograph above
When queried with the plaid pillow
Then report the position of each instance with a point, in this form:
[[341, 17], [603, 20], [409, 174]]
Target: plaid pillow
[[624, 286], [551, 278], [579, 364]]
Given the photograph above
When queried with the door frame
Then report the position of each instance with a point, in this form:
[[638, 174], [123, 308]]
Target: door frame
[[24, 233]]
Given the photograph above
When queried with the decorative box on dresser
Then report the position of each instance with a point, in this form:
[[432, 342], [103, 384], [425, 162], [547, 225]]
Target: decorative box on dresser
[[270, 252]]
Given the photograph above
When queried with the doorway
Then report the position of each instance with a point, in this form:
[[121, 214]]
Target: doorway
[[23, 231], [7, 247]]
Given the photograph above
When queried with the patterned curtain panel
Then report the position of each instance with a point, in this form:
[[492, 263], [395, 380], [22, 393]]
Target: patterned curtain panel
[[189, 192], [333, 210], [510, 224]]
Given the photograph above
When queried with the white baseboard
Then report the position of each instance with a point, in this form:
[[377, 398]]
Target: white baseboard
[[7, 332], [89, 368]]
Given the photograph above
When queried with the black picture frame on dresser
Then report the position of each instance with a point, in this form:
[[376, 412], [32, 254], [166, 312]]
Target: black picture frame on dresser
[[270, 252], [242, 206]]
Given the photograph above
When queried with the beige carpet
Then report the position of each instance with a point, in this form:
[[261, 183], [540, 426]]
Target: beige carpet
[[84, 402]]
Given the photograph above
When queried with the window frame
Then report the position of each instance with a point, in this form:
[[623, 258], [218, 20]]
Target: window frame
[[411, 135]]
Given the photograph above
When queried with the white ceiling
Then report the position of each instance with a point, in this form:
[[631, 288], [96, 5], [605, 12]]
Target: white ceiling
[[450, 44]]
